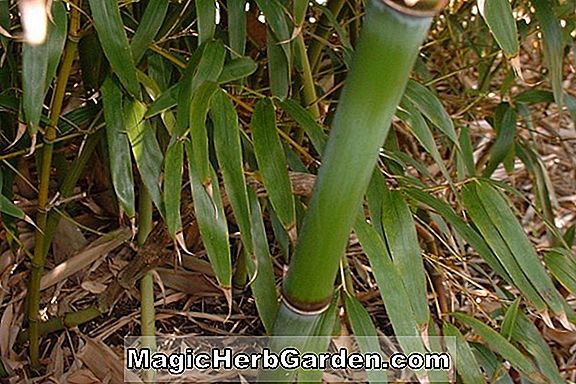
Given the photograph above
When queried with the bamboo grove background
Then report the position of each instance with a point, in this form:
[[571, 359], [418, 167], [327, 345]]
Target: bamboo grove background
[[145, 134]]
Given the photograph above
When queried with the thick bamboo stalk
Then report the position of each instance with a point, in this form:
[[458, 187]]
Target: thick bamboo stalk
[[386, 51]]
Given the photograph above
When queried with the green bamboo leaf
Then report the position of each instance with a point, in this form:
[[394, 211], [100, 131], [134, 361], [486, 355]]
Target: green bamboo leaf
[[39, 64], [229, 155], [432, 108], [494, 237], [148, 27], [307, 122], [57, 33], [93, 64], [402, 240], [145, 147], [505, 125], [534, 96], [237, 26], [491, 364], [118, 147], [278, 68], [466, 153], [553, 46], [499, 212], [260, 268], [365, 333], [199, 106], [7, 207], [173, 167], [278, 47], [206, 12], [562, 264], [503, 347], [209, 212], [498, 15], [34, 72], [529, 337], [237, 69], [392, 289], [272, 161], [509, 322], [420, 129], [463, 229], [112, 36], [466, 364]]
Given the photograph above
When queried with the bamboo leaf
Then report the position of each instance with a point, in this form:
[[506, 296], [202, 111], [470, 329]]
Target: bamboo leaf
[[272, 161], [494, 237], [209, 212], [237, 26], [57, 33], [145, 147], [229, 155], [402, 240], [278, 68], [562, 264], [118, 147], [34, 70], [553, 46], [429, 105], [260, 268], [503, 347], [148, 27], [7, 207], [505, 125], [307, 122], [498, 210], [112, 36], [529, 337], [198, 111], [422, 132], [466, 364], [463, 229], [366, 335], [206, 12], [498, 16], [237, 69], [173, 168]]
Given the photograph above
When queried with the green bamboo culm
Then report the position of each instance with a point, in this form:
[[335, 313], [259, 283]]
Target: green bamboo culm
[[386, 51]]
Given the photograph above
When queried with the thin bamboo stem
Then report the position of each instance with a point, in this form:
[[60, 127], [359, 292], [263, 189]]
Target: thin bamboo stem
[[50, 134], [322, 31]]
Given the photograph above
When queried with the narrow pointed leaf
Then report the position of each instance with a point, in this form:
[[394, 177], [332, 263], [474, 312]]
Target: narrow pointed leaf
[[503, 347], [237, 26], [35, 67], [494, 238], [504, 144], [118, 146], [562, 264], [57, 33], [272, 161], [237, 69], [198, 112], [112, 36], [229, 155], [401, 237], [173, 167], [466, 364], [7, 207], [432, 108], [498, 15], [307, 122], [498, 209], [261, 270], [553, 47], [145, 147], [209, 212], [148, 27], [206, 12], [366, 335]]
